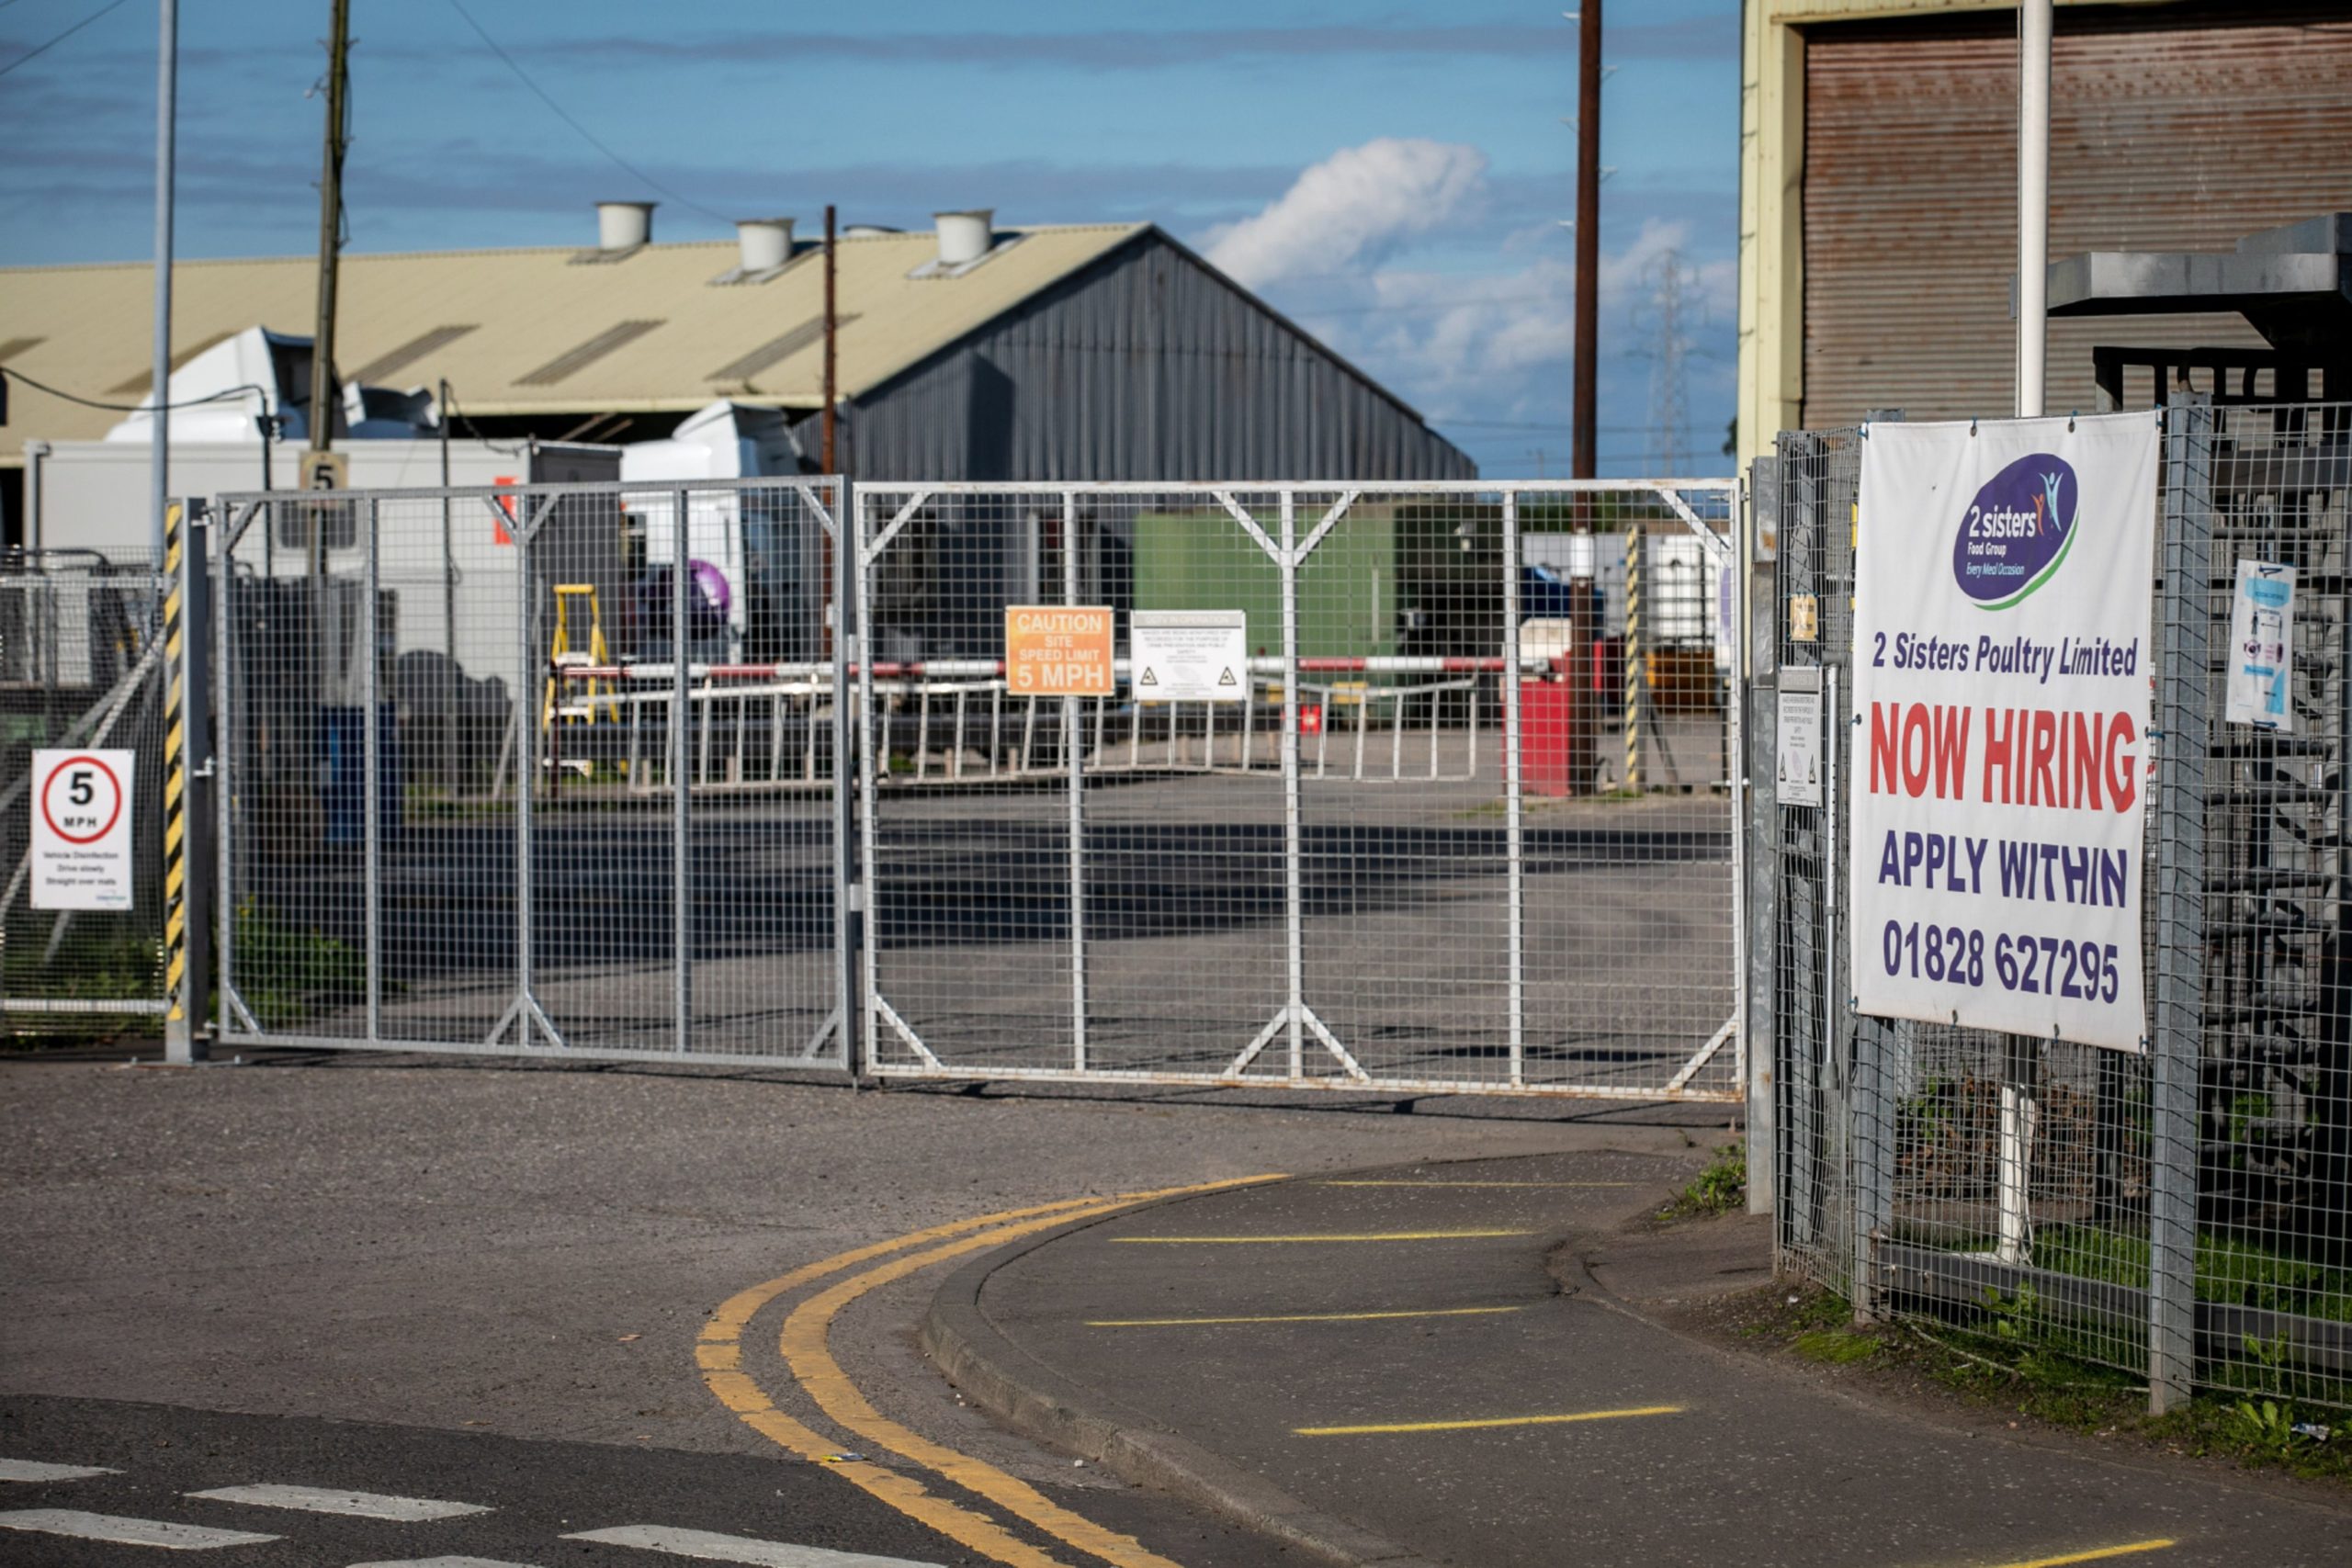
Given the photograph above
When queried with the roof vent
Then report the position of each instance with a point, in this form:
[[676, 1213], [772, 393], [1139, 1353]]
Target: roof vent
[[766, 244], [624, 225], [964, 237]]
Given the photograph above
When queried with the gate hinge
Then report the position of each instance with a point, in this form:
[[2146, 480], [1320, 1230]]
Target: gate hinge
[[857, 897]]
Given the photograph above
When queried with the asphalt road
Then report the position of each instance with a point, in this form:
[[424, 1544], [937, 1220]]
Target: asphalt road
[[487, 1284]]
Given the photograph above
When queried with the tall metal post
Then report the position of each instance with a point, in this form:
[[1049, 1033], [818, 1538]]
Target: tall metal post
[[681, 781], [1636, 541], [188, 870], [1514, 842], [2034, 200], [831, 332], [371, 772], [2176, 1043], [336, 139], [1294, 835], [1588, 233], [448, 610], [167, 75], [526, 769], [1074, 753], [849, 920]]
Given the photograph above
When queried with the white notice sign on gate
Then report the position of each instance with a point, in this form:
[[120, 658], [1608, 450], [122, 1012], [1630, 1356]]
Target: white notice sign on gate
[[2002, 654], [1798, 775], [81, 829], [1189, 656]]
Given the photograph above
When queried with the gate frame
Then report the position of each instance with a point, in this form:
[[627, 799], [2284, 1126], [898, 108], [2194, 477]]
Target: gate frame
[[828, 500], [1295, 1018]]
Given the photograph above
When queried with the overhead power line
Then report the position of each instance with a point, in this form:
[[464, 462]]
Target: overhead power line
[[44, 49], [586, 134], [15, 375]]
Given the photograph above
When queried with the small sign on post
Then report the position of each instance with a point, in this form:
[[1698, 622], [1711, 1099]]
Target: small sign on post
[[2262, 643], [1189, 656], [81, 829], [1797, 779], [1057, 650]]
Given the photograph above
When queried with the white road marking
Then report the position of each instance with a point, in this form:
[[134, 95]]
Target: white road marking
[[712, 1547], [126, 1533], [33, 1469], [448, 1563], [332, 1500]]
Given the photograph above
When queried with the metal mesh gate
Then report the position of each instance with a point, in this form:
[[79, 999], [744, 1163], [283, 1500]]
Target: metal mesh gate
[[595, 811], [1456, 829], [81, 666], [598, 770]]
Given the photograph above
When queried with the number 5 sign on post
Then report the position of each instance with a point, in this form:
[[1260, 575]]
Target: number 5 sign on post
[[81, 829]]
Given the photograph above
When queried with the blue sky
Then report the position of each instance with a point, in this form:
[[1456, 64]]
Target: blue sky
[[1391, 176]]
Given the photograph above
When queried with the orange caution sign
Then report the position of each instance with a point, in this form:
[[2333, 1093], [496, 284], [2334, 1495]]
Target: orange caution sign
[[1057, 650]]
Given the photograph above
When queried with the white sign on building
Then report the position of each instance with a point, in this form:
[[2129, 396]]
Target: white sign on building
[[81, 829], [2002, 650]]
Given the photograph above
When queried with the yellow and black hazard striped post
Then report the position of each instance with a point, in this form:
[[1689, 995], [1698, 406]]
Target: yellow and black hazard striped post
[[187, 868], [1635, 674]]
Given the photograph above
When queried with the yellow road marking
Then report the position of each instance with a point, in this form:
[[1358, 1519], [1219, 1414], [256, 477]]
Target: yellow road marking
[[1484, 1423], [2096, 1554], [719, 1354], [1359, 1235], [1295, 1317], [1472, 1184]]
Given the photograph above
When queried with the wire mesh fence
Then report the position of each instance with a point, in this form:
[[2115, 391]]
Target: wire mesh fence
[[81, 669], [514, 770], [2030, 1189], [571, 824], [1437, 829]]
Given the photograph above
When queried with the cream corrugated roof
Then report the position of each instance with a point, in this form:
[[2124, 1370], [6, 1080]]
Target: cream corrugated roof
[[535, 317]]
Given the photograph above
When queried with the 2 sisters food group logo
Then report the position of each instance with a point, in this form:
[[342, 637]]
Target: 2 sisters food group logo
[[2017, 531]]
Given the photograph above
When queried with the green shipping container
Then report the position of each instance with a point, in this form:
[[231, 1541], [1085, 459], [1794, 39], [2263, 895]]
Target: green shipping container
[[1347, 590]]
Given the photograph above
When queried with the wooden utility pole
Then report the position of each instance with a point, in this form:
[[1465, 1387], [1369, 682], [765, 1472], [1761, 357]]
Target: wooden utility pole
[[826, 462], [331, 228], [1588, 231]]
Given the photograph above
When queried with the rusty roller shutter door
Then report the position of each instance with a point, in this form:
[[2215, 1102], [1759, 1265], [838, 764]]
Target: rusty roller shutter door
[[2173, 127]]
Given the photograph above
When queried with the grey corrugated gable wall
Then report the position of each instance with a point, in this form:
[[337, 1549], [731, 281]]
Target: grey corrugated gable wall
[[1145, 365]]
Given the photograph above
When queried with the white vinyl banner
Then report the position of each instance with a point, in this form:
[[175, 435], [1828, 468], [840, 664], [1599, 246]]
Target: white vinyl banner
[[2002, 666]]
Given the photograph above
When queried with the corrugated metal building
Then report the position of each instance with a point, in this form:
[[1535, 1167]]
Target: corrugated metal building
[[1878, 194], [1085, 351]]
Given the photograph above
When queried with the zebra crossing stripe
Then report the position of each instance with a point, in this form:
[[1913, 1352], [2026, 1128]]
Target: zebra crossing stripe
[[126, 1533], [336, 1500], [33, 1469], [711, 1547]]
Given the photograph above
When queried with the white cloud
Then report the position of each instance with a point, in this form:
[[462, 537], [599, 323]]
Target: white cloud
[[1357, 203], [1443, 337]]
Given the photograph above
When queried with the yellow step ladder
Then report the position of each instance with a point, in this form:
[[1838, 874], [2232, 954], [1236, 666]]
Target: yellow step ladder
[[562, 655]]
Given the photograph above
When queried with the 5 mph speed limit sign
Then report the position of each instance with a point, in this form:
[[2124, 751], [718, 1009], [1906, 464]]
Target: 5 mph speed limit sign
[[81, 829]]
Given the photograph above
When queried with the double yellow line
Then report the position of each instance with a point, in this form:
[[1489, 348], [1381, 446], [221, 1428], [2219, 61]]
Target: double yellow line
[[803, 1343]]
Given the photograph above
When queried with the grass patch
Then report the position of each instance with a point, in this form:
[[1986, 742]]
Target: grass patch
[[1834, 1347], [284, 974], [2229, 1268], [1721, 1188], [2011, 1362]]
